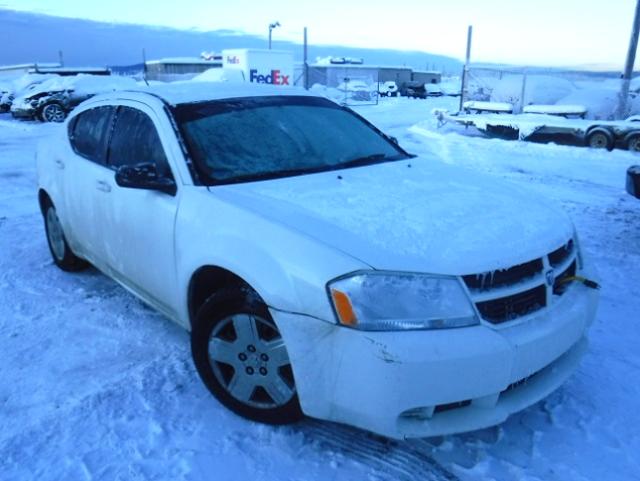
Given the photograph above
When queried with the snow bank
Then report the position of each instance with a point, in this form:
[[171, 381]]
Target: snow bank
[[540, 89], [488, 106], [220, 75], [563, 109], [600, 102]]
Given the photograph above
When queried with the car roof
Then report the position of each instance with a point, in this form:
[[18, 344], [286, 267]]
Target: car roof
[[177, 93]]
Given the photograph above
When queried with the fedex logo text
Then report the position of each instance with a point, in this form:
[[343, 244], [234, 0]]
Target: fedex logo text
[[275, 77]]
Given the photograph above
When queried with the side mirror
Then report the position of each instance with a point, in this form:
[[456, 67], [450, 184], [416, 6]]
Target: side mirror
[[633, 181], [144, 176]]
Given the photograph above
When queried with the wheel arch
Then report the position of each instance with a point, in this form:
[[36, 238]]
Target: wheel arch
[[44, 199], [208, 280]]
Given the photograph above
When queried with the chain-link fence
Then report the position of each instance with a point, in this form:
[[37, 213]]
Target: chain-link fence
[[531, 88]]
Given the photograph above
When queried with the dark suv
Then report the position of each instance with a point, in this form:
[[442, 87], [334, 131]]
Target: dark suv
[[415, 90]]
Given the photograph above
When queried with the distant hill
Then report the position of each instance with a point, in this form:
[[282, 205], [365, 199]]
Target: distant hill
[[27, 37]]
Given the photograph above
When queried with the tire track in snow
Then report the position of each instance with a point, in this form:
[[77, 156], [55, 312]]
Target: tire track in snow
[[389, 459]]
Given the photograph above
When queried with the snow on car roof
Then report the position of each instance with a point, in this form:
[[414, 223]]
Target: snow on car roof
[[84, 84], [190, 92]]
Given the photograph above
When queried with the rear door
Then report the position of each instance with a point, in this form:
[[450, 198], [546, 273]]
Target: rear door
[[139, 224]]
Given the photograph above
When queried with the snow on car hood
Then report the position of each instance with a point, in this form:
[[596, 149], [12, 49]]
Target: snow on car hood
[[416, 215]]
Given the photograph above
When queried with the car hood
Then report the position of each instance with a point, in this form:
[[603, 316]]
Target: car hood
[[415, 215]]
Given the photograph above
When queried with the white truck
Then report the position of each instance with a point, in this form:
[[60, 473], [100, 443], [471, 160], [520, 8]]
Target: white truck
[[273, 67]]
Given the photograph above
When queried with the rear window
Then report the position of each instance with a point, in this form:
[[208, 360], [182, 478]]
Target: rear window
[[89, 132]]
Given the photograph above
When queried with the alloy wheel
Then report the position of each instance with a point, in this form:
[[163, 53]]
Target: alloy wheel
[[250, 361]]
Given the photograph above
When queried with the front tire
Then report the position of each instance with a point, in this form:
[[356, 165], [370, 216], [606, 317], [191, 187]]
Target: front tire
[[61, 253], [53, 112], [241, 358]]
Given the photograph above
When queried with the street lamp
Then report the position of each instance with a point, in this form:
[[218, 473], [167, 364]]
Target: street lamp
[[271, 27]]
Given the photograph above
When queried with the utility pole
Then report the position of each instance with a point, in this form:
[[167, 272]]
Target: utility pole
[[465, 69], [306, 63], [271, 27], [623, 99]]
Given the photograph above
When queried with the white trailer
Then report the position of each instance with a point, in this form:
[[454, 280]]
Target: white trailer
[[261, 66], [593, 133]]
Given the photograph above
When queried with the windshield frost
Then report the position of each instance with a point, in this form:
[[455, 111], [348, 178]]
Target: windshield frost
[[274, 136]]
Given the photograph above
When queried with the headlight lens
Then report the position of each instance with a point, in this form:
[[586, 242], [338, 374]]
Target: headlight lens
[[389, 301]]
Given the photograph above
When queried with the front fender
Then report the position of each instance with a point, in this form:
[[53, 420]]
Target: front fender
[[286, 268]]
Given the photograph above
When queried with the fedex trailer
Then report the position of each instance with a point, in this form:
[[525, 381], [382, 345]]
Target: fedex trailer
[[261, 66]]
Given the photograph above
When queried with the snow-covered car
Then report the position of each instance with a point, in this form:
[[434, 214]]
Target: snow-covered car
[[356, 90], [633, 181], [52, 100], [5, 103], [433, 90], [320, 268], [388, 89], [19, 86]]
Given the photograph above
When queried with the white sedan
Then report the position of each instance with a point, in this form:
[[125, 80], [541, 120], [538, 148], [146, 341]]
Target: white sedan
[[320, 268]]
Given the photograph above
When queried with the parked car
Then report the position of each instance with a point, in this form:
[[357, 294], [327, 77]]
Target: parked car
[[6, 99], [53, 99], [19, 86], [633, 181], [415, 90], [356, 90], [320, 267], [433, 90], [388, 89]]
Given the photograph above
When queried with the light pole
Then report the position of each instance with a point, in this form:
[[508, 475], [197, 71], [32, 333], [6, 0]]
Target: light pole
[[271, 27]]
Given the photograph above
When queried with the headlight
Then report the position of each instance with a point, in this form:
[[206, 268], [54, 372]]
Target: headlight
[[390, 301]]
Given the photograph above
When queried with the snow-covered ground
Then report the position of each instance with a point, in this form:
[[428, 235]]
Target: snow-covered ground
[[94, 385]]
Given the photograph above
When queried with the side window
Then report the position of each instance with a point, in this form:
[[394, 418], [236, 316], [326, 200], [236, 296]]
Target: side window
[[89, 132], [135, 140]]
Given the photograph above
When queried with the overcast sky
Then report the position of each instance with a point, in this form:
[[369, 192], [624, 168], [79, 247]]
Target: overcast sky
[[533, 32]]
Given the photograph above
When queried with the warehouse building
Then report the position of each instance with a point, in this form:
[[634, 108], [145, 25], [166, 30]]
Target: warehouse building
[[180, 68]]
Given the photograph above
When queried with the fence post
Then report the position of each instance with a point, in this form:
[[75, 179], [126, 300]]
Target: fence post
[[524, 90]]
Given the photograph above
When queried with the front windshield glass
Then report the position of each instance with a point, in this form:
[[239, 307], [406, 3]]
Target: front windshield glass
[[246, 139]]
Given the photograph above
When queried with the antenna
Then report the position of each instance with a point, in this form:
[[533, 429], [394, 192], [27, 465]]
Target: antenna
[[144, 67]]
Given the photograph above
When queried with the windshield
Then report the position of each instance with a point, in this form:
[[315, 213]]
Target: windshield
[[246, 139]]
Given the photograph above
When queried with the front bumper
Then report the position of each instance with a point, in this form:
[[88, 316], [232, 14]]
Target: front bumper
[[424, 383], [23, 112]]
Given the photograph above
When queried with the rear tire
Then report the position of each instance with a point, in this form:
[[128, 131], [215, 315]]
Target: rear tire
[[600, 138], [632, 142], [61, 253], [241, 358]]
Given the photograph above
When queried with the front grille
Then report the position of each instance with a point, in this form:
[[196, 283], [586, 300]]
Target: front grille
[[560, 287], [454, 405], [503, 277], [560, 255], [513, 292], [511, 307]]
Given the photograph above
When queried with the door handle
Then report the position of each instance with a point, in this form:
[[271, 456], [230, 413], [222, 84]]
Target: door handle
[[59, 164], [103, 186]]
